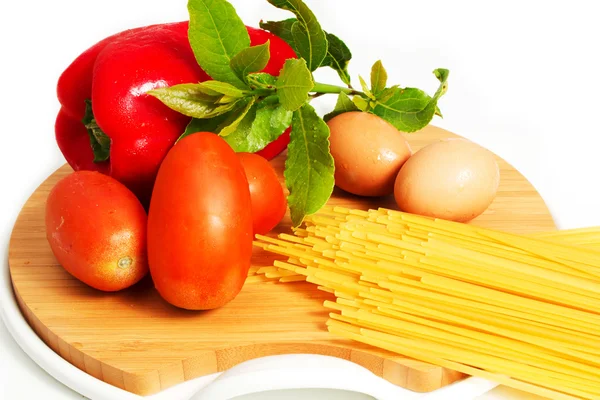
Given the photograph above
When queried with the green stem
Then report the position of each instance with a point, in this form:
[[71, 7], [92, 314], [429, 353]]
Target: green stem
[[326, 88], [273, 99]]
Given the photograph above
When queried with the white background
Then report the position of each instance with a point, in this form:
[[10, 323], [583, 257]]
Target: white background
[[524, 83]]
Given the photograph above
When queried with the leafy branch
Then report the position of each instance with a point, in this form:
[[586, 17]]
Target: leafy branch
[[250, 109]]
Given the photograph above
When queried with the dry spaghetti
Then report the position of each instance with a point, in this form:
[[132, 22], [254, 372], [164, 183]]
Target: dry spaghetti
[[521, 310]]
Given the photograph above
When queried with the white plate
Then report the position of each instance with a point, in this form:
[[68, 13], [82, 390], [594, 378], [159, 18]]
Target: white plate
[[269, 376]]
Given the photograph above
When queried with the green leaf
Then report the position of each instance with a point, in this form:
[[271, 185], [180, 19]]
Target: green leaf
[[309, 39], [227, 99], [344, 104], [438, 112], [338, 57], [442, 75], [386, 94], [263, 124], [338, 54], [409, 109], [204, 125], [99, 141], [378, 78], [191, 100], [215, 88], [216, 35], [294, 83], [360, 103], [262, 80], [233, 125], [251, 59], [309, 167], [365, 88], [282, 29], [402, 108]]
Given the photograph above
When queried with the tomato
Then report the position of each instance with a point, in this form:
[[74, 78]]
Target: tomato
[[96, 228], [200, 224], [268, 199]]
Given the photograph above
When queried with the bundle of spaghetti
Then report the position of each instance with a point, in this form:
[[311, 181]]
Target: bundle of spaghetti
[[523, 311], [586, 237], [583, 237]]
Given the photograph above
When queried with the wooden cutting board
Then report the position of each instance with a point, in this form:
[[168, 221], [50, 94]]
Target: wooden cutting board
[[135, 341]]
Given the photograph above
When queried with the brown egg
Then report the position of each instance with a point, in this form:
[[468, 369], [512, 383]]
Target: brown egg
[[453, 179], [368, 153]]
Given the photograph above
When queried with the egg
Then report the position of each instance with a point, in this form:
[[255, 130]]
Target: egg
[[453, 179], [368, 153]]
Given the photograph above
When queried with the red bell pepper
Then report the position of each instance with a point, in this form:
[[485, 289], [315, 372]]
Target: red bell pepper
[[73, 89], [134, 131]]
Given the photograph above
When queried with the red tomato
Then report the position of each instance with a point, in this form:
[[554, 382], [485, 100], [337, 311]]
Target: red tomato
[[96, 228], [268, 200], [200, 224]]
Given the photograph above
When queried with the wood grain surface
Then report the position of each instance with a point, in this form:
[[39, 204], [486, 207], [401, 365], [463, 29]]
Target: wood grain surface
[[136, 341]]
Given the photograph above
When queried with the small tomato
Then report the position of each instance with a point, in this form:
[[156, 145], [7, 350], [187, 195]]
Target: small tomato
[[96, 228], [268, 199]]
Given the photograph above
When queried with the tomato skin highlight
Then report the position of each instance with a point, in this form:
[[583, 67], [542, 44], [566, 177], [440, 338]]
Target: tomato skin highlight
[[200, 224], [96, 228], [268, 199]]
